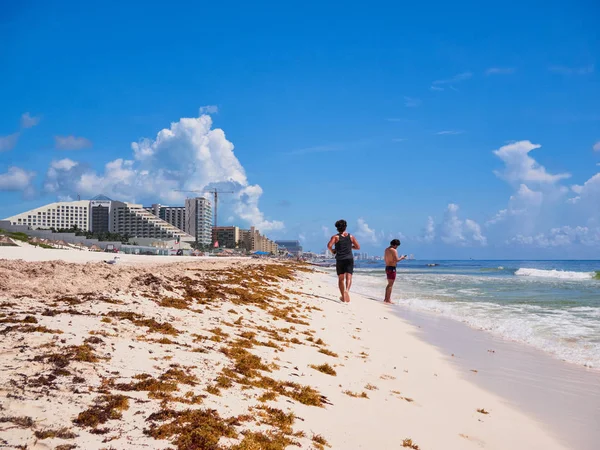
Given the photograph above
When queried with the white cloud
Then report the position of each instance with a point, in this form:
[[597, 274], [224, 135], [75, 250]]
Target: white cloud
[[475, 230], [455, 231], [71, 142], [9, 142], [455, 79], [209, 109], [560, 237], [429, 234], [436, 88], [564, 70], [302, 237], [63, 164], [412, 102], [450, 132], [16, 179], [597, 146], [326, 231], [590, 190], [520, 167], [189, 156], [27, 121], [500, 71], [365, 232], [498, 217]]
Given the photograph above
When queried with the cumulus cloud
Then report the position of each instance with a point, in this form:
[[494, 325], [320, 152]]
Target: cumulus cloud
[[364, 232], [560, 237], [455, 231], [71, 142], [28, 121], [429, 234], [326, 231], [16, 179], [189, 155], [9, 142], [520, 167], [597, 146]]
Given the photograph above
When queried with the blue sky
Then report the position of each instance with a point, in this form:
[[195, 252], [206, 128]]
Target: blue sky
[[415, 121]]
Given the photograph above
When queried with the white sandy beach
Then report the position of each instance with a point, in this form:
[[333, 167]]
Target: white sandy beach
[[409, 394]]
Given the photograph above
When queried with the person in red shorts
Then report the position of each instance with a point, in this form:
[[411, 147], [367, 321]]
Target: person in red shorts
[[391, 260]]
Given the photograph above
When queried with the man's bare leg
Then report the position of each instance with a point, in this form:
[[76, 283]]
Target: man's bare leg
[[342, 286], [388, 291], [348, 285]]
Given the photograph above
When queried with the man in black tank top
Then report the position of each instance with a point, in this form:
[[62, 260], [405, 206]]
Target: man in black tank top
[[344, 244]]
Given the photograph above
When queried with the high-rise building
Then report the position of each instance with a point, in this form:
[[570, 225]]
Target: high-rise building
[[228, 237], [175, 215], [256, 242], [251, 240], [293, 247], [100, 215], [198, 219], [134, 220]]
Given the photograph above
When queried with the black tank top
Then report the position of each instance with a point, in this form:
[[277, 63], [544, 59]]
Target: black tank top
[[343, 248]]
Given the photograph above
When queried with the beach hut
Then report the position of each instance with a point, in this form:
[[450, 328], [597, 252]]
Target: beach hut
[[36, 241], [5, 241], [62, 244]]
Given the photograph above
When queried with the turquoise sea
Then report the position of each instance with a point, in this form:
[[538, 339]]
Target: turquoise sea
[[552, 305]]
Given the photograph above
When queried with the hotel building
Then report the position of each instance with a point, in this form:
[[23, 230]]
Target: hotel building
[[100, 215], [251, 240], [56, 215]]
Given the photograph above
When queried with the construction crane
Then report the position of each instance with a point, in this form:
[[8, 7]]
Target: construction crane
[[215, 193]]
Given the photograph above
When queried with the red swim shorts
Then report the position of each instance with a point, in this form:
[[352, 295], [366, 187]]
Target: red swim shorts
[[390, 272]]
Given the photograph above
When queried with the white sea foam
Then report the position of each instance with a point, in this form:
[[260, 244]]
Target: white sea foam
[[562, 274], [571, 334]]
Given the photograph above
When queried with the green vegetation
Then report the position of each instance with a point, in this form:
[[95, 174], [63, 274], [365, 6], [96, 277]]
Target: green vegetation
[[15, 235], [597, 276]]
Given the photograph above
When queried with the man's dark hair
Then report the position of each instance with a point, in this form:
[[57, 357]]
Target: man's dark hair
[[341, 225], [395, 242]]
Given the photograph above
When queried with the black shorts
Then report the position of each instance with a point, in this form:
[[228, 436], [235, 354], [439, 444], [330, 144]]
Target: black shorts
[[344, 266]]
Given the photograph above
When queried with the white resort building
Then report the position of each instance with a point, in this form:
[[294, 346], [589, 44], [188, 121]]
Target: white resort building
[[100, 214], [56, 215]]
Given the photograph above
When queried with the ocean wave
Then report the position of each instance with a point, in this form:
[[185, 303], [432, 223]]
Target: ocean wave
[[562, 274]]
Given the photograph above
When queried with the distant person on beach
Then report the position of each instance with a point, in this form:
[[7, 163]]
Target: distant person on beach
[[344, 258], [391, 259]]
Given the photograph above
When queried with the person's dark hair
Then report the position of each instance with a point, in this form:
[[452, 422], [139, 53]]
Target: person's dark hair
[[395, 242], [341, 225]]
